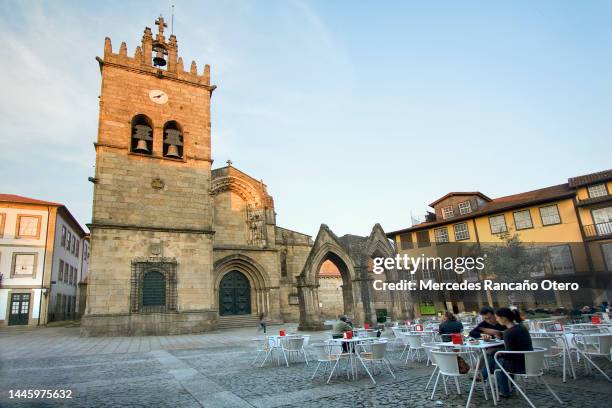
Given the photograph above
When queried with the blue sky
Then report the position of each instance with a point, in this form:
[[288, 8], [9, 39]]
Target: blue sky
[[352, 112]]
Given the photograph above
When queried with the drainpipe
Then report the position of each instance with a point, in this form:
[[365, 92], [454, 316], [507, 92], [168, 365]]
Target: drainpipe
[[42, 281]]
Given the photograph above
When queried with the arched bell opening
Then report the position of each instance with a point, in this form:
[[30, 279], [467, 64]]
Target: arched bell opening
[[141, 135], [173, 140], [160, 56]]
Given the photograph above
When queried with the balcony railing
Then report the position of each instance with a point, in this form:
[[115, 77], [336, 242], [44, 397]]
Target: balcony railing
[[603, 229]]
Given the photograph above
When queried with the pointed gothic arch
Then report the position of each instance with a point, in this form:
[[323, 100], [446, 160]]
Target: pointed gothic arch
[[350, 253]]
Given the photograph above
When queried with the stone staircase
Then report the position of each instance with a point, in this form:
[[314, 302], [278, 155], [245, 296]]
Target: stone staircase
[[238, 321]]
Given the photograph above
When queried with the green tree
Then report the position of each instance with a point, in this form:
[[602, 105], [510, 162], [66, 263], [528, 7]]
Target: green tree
[[512, 260]]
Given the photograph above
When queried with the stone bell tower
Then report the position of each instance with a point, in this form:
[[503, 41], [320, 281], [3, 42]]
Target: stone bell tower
[[151, 230]]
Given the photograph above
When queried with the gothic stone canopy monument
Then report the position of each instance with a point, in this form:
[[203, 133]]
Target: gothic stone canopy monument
[[176, 246]]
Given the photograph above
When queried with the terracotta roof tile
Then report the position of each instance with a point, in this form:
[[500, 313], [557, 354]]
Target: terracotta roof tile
[[590, 178], [12, 198], [328, 269], [460, 193], [503, 204]]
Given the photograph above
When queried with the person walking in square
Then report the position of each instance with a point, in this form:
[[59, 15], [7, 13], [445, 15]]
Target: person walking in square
[[262, 323]]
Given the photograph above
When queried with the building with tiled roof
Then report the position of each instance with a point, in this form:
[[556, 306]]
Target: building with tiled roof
[[572, 220], [44, 258]]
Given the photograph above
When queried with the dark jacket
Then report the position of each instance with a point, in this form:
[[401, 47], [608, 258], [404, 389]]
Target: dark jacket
[[448, 327], [516, 338], [475, 333]]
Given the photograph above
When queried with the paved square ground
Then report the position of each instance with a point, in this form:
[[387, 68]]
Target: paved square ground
[[213, 370]]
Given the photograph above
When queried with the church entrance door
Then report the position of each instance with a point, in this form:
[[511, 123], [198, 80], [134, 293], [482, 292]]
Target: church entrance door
[[234, 295]]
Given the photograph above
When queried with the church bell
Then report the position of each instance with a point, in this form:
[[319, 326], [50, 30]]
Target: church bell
[[141, 146], [159, 60], [173, 151]]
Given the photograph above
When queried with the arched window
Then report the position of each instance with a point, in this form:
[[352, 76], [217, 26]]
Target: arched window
[[142, 135], [153, 289], [173, 140], [160, 55]]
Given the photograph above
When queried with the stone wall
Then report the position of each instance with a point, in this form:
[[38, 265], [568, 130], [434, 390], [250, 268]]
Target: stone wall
[[330, 297], [230, 219], [109, 281]]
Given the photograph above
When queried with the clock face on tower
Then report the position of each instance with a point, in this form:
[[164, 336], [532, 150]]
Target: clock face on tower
[[158, 96]]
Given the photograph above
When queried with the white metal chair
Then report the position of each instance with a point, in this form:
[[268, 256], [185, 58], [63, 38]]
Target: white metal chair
[[327, 354], [554, 347], [396, 336], [593, 345], [534, 368], [262, 348], [293, 345], [429, 347], [415, 342], [403, 342], [377, 355], [448, 366]]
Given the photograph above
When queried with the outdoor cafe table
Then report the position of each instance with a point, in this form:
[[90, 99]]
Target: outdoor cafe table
[[482, 347], [274, 344], [354, 352]]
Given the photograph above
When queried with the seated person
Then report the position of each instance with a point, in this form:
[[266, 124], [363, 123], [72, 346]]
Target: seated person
[[449, 326], [343, 325], [516, 338], [488, 326]]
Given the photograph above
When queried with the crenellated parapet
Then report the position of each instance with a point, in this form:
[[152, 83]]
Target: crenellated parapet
[[156, 55]]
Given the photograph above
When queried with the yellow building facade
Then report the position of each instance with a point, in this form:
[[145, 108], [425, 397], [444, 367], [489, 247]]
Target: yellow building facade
[[571, 223]]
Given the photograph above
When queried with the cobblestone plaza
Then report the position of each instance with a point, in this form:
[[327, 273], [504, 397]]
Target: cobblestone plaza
[[214, 370]]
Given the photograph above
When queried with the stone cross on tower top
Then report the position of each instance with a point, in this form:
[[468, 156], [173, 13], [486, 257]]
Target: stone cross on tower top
[[160, 22]]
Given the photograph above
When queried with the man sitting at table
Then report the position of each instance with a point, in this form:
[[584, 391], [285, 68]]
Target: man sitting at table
[[449, 326], [343, 325], [489, 327], [516, 338]]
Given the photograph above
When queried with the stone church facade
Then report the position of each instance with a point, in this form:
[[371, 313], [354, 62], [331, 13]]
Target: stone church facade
[[179, 247]]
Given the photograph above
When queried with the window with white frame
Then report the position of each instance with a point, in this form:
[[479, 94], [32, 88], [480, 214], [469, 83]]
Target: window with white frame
[[28, 226], [550, 215], [68, 239], [441, 234], [60, 274], [66, 271], [447, 212], [465, 207], [24, 265], [498, 224], [63, 236], [522, 220], [461, 231], [597, 190], [561, 259]]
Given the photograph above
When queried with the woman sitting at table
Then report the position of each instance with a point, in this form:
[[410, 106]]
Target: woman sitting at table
[[449, 326], [516, 338]]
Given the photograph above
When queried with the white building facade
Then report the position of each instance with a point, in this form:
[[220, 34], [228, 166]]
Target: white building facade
[[42, 261]]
